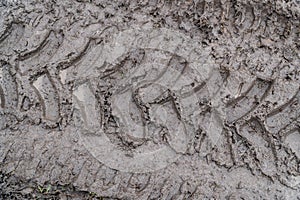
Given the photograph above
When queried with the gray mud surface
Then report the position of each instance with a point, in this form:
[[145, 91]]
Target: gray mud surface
[[150, 99]]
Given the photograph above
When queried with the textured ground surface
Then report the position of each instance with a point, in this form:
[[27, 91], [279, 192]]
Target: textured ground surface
[[150, 99]]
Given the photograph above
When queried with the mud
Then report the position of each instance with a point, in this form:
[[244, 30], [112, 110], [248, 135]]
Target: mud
[[150, 99]]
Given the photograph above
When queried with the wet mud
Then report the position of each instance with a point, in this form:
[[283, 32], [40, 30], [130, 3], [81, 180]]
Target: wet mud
[[150, 99]]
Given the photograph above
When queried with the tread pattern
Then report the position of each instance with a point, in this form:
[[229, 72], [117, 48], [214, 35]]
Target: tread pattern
[[49, 50]]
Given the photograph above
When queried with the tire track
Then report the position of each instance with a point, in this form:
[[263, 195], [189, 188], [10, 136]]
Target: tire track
[[39, 60], [262, 105], [48, 97], [9, 91]]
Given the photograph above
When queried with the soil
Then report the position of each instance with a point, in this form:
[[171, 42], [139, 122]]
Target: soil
[[150, 99]]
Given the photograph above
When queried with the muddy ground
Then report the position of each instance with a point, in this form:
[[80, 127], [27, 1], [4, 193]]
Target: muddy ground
[[149, 99]]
